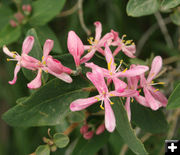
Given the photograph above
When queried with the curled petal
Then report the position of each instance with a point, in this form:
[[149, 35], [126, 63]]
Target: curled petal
[[100, 129], [106, 38], [129, 50], [88, 56], [63, 76], [97, 79], [119, 85], [153, 103], [109, 58], [36, 83], [159, 96], [48, 45], [75, 47], [7, 52], [155, 68], [128, 108], [116, 51], [81, 104], [16, 70], [27, 44], [98, 30], [138, 70], [141, 100], [110, 122], [56, 66]]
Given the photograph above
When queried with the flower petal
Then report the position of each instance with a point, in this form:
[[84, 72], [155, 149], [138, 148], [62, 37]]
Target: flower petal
[[153, 103], [75, 47], [141, 100], [129, 50], [16, 70], [138, 70], [125, 93], [119, 85], [36, 83], [106, 38], [155, 68], [81, 104], [27, 44], [88, 56], [98, 30], [109, 59], [128, 108], [110, 122], [158, 96], [8, 52], [48, 45]]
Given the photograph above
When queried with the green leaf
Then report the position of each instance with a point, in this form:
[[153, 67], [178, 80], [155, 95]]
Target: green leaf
[[90, 147], [125, 130], [9, 35], [45, 10], [44, 33], [77, 116], [175, 17], [147, 120], [5, 16], [61, 140], [43, 150], [169, 4], [174, 99], [49, 105], [137, 8]]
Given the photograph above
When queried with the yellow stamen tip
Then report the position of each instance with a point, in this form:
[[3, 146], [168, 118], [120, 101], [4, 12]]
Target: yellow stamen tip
[[152, 81], [14, 56], [139, 90], [161, 82], [42, 57], [97, 98], [156, 90], [121, 61], [111, 102], [124, 70], [101, 107], [44, 62], [111, 94], [124, 35], [8, 59], [132, 100]]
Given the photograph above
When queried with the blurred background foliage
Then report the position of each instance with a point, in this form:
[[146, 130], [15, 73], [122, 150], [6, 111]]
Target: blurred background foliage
[[155, 32]]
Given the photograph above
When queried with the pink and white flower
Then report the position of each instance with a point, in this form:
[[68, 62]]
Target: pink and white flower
[[97, 78], [154, 98], [97, 43], [23, 60]]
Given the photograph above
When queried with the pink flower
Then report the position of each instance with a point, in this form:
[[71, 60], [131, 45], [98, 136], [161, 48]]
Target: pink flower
[[97, 43], [154, 98], [84, 129], [27, 8], [75, 47], [113, 73], [24, 60], [13, 23], [127, 47], [97, 78], [50, 65]]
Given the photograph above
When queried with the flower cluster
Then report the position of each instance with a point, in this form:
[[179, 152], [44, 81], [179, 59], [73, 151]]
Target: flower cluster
[[127, 82]]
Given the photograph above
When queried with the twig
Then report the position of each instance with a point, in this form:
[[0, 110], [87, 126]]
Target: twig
[[171, 59], [81, 19], [69, 12], [70, 128], [164, 30], [147, 34]]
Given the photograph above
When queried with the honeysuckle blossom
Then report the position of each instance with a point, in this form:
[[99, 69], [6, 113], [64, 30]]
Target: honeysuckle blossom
[[23, 60], [97, 43], [50, 65], [75, 47], [97, 78], [128, 47], [154, 98]]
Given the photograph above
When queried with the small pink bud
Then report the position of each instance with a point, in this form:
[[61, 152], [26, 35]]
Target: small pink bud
[[13, 23], [84, 129], [88, 135], [100, 129], [27, 9], [19, 16]]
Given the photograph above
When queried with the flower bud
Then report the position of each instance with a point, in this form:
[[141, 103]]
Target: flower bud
[[13, 23], [88, 135], [100, 129], [19, 16], [27, 9], [84, 129]]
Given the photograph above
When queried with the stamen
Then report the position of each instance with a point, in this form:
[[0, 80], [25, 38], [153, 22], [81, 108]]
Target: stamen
[[42, 57], [101, 107], [152, 83], [97, 98], [111, 94], [139, 90], [156, 90], [128, 42], [124, 70], [111, 103], [11, 59], [109, 64], [90, 40], [132, 99], [121, 61]]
